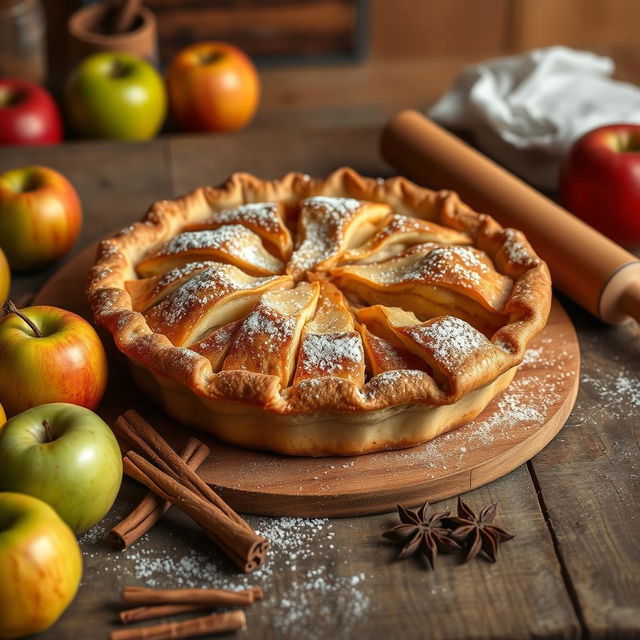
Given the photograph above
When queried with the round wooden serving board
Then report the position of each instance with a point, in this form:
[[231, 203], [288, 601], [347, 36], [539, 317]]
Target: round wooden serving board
[[511, 430]]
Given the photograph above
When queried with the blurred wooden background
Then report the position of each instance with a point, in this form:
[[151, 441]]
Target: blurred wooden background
[[495, 27], [375, 56]]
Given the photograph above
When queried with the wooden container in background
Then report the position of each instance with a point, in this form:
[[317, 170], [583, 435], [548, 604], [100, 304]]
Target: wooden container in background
[[87, 34], [270, 31]]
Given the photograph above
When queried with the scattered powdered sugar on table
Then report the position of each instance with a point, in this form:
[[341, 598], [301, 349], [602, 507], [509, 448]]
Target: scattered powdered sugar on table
[[618, 392], [312, 587], [528, 402]]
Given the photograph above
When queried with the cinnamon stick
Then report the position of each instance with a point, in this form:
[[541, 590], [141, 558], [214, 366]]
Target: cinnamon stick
[[211, 597], [151, 508], [125, 15], [241, 544], [141, 437], [218, 623], [160, 610]]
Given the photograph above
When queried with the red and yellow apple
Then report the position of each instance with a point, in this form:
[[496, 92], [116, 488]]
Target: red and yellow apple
[[5, 278], [40, 216], [28, 114], [116, 95], [65, 455], [600, 181], [3, 416], [49, 355], [40, 565], [213, 86]]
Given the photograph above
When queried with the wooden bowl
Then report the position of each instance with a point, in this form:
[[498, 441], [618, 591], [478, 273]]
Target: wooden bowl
[[87, 34]]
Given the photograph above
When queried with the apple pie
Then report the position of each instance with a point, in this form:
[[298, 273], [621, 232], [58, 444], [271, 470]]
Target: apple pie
[[320, 317]]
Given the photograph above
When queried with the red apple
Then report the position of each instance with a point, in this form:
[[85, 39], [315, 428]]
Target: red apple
[[213, 86], [600, 181], [49, 355], [40, 565], [40, 216], [28, 114]]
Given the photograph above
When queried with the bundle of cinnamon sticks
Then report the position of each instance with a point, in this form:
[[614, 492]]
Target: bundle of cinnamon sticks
[[173, 481], [168, 602]]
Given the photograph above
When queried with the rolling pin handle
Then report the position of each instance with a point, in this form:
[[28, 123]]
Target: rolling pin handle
[[630, 300]]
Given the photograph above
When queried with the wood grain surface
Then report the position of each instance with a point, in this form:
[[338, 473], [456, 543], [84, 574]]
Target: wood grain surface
[[515, 426], [573, 569]]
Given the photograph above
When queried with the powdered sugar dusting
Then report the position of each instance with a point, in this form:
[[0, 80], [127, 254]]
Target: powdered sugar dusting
[[324, 220], [218, 339], [258, 214], [515, 250], [399, 225], [273, 330], [234, 240], [450, 339], [438, 265], [208, 286], [180, 273], [326, 205], [331, 352]]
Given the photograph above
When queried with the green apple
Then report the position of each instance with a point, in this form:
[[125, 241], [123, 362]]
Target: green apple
[[65, 455], [116, 95], [40, 565]]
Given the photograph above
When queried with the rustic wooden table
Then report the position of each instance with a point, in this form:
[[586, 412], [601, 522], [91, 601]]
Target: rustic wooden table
[[574, 568]]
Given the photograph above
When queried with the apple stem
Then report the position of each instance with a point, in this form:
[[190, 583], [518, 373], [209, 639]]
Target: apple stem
[[47, 431], [9, 307]]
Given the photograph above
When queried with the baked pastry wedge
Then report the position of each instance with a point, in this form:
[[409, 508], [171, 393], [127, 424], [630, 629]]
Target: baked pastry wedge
[[336, 316]]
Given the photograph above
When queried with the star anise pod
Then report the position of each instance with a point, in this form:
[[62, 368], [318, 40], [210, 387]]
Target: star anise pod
[[477, 532], [423, 532]]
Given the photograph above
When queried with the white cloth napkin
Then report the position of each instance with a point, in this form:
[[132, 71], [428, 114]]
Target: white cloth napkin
[[525, 111]]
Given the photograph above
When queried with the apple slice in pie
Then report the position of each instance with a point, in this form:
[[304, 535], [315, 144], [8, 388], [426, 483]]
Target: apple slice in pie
[[266, 219], [458, 279], [231, 243], [330, 345], [397, 233]]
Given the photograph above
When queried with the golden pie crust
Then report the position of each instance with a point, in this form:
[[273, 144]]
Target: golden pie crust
[[315, 317]]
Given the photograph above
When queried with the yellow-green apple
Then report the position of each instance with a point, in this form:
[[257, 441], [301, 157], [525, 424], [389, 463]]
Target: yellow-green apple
[[600, 181], [213, 86], [65, 455], [5, 278], [49, 355], [40, 565], [40, 216], [116, 95]]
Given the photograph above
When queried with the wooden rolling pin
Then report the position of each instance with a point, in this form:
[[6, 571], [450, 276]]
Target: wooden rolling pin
[[593, 270]]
